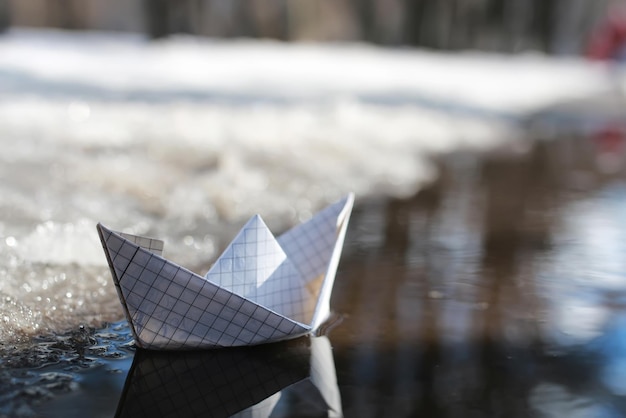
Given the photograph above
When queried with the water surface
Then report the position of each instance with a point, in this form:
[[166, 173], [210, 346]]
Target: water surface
[[499, 290]]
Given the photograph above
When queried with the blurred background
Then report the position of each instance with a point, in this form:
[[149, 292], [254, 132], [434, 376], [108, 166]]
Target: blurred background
[[554, 26], [483, 271]]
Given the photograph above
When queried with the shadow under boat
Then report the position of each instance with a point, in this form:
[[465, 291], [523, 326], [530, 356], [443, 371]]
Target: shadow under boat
[[284, 379]]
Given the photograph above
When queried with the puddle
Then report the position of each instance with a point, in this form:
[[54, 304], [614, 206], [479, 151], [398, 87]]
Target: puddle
[[499, 290]]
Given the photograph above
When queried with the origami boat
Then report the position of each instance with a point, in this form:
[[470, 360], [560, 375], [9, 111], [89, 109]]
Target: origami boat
[[261, 289]]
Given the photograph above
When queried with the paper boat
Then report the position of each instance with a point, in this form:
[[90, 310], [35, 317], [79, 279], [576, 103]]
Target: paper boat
[[288, 378], [261, 289]]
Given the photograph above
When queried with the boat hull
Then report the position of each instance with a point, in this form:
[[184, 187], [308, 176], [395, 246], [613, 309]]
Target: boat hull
[[172, 308]]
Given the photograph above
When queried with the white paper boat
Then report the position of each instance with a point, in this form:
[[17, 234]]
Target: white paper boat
[[261, 289]]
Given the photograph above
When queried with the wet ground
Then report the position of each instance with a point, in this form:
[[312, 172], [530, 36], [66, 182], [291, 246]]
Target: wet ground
[[497, 291]]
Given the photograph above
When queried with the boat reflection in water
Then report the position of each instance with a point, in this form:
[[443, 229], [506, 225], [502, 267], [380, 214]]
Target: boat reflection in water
[[291, 378]]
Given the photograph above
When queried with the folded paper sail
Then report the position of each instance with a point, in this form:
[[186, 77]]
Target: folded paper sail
[[288, 378], [261, 289]]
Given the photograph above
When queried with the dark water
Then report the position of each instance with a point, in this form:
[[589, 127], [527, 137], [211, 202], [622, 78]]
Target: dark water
[[497, 291], [80, 373]]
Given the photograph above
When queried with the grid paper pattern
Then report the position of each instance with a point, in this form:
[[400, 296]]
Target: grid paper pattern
[[171, 308], [155, 246], [309, 245], [240, 382], [260, 290], [216, 383], [315, 248], [255, 266]]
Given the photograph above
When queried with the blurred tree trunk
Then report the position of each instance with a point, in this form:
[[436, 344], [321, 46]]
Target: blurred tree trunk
[[518, 25], [365, 11], [181, 16], [430, 23], [164, 17], [66, 14], [469, 19], [494, 12], [246, 23], [157, 18], [196, 17], [302, 16], [5, 18], [270, 18], [415, 11], [444, 24], [545, 21], [283, 31]]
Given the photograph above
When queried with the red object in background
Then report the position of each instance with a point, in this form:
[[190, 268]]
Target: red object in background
[[608, 42], [610, 139]]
